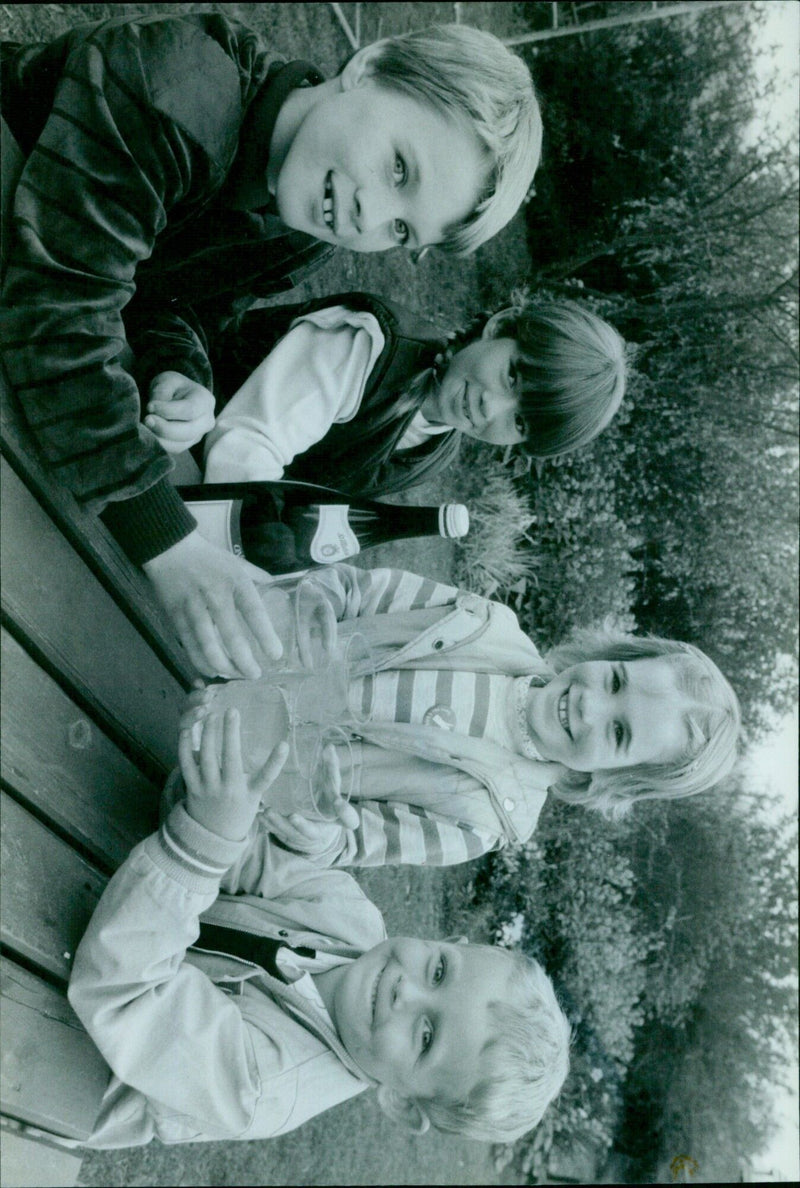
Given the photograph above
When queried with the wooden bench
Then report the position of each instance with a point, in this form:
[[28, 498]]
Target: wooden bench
[[92, 684]]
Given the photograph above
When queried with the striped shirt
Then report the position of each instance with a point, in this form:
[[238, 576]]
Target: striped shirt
[[421, 828]]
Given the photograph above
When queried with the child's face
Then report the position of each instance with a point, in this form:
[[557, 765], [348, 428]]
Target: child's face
[[478, 394], [605, 714], [370, 169], [413, 1013]]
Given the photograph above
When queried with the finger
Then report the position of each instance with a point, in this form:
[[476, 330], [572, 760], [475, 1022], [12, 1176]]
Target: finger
[[186, 634], [332, 772], [346, 814], [202, 637], [231, 747], [314, 615], [282, 827], [231, 631], [164, 388], [254, 614], [304, 626], [306, 829], [271, 769], [197, 705], [191, 404], [190, 717], [330, 627], [178, 409], [171, 430], [259, 576], [187, 761], [209, 750]]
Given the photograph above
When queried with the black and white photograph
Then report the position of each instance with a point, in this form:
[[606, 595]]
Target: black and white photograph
[[399, 424]]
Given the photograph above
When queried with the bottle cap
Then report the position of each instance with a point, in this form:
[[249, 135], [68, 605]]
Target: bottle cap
[[453, 520]]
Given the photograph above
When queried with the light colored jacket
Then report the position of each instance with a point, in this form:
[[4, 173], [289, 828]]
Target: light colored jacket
[[207, 1046], [427, 795]]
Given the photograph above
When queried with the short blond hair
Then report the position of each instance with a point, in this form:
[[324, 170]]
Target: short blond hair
[[523, 1067], [715, 724], [466, 74]]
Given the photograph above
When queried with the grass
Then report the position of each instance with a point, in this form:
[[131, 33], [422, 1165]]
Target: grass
[[353, 1144]]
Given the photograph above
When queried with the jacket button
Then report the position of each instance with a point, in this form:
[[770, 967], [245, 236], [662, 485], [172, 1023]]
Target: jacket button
[[508, 804], [282, 932], [438, 644]]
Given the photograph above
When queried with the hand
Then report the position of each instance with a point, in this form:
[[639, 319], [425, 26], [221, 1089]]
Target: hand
[[309, 836], [196, 707], [219, 796], [315, 624], [212, 599], [179, 411]]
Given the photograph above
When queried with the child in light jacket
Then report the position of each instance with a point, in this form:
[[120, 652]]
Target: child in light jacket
[[242, 1016], [459, 727]]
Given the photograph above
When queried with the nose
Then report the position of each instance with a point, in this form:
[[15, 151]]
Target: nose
[[592, 705], [371, 207], [404, 993], [495, 404]]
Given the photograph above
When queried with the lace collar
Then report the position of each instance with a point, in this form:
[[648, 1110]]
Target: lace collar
[[520, 717]]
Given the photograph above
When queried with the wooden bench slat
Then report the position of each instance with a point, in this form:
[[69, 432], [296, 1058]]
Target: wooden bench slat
[[61, 762], [29, 1163], [51, 597], [49, 892], [89, 536], [51, 1073]]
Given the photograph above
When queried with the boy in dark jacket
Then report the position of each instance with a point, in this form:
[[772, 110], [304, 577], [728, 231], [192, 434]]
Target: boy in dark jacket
[[178, 158]]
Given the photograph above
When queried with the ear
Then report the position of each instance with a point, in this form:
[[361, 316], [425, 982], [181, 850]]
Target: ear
[[403, 1110], [359, 68]]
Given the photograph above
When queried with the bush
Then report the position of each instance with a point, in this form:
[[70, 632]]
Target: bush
[[549, 537], [567, 898]]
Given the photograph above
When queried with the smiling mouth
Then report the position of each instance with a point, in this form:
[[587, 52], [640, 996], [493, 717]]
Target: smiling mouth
[[465, 413], [328, 213], [563, 711], [373, 998]]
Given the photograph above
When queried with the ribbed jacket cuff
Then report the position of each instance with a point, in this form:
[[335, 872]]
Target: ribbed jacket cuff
[[149, 524], [191, 854]]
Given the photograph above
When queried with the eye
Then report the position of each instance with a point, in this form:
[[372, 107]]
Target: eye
[[619, 734], [439, 971], [400, 231], [513, 374], [616, 683], [427, 1038], [520, 425], [399, 170]]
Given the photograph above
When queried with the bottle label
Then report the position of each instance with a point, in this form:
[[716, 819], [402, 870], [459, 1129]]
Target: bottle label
[[219, 522], [334, 539]]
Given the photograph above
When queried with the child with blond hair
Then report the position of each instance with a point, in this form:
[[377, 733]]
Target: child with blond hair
[[242, 1016], [459, 728], [173, 159]]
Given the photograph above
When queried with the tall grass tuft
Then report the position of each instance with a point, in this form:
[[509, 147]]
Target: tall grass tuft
[[495, 559]]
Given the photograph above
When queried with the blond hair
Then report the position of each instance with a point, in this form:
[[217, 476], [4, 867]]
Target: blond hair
[[470, 76], [715, 724], [523, 1067]]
